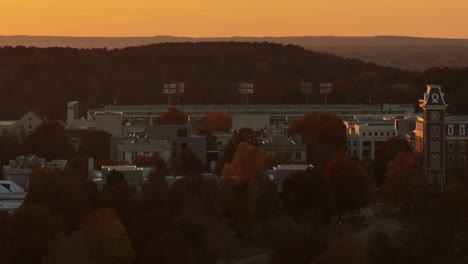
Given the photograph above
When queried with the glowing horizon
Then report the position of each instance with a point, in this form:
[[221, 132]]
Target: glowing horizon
[[227, 18]]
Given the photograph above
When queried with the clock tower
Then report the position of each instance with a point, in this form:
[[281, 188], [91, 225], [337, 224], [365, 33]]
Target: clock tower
[[433, 136]]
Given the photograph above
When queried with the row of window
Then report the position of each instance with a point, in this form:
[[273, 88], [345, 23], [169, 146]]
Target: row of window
[[435, 161], [435, 146], [451, 129], [376, 134]]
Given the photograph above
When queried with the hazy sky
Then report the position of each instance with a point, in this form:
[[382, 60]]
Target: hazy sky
[[198, 18]]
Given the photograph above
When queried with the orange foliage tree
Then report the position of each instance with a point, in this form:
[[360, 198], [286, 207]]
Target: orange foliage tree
[[324, 134], [404, 184], [173, 116], [216, 121], [351, 184]]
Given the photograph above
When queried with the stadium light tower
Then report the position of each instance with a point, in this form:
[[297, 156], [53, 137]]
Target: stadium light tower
[[173, 88], [325, 89], [306, 88], [246, 89]]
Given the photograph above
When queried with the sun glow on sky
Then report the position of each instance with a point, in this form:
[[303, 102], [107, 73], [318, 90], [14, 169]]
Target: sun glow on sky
[[213, 18]]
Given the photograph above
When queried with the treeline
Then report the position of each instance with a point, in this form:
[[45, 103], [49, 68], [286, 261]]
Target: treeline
[[45, 79]]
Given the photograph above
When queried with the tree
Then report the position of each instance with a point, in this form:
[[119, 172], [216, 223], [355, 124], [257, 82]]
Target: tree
[[385, 154], [452, 208], [96, 143], [43, 187], [404, 184], [173, 116], [308, 195], [216, 121], [241, 189], [121, 198], [114, 178], [300, 249], [380, 248], [170, 248], [31, 230], [189, 163], [246, 135], [324, 134], [351, 185], [101, 239], [284, 156], [154, 161], [49, 141], [346, 250]]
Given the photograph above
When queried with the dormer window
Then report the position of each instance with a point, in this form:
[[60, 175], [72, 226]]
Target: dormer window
[[462, 129], [450, 129]]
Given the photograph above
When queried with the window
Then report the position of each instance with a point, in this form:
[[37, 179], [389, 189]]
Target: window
[[462, 146], [450, 146], [435, 161], [462, 161], [174, 144], [462, 129], [181, 132], [430, 178], [450, 129], [435, 146], [298, 155], [354, 153], [394, 133], [450, 161], [355, 143], [366, 153], [435, 131], [382, 134], [364, 133], [388, 133], [30, 126], [183, 145]]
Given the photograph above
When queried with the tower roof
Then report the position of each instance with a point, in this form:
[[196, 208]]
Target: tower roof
[[433, 96]]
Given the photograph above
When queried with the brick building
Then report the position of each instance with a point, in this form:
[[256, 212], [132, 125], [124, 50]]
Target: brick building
[[440, 140]]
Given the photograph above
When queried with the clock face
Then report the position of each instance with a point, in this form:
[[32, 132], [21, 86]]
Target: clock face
[[435, 116]]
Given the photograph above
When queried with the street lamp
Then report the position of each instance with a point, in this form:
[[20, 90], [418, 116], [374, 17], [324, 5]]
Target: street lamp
[[306, 88], [173, 88], [325, 89], [246, 89]]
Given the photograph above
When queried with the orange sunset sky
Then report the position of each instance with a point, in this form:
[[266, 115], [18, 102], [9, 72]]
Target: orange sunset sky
[[205, 18]]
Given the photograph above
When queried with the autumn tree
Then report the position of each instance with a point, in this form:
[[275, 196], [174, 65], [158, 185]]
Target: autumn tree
[[121, 198], [31, 230], [385, 154], [154, 160], [173, 116], [308, 195], [101, 239], [49, 141], [216, 121], [452, 208], [323, 133], [284, 156], [301, 249], [246, 135], [241, 188], [404, 184], [346, 250], [96, 143], [170, 248], [351, 185], [381, 249]]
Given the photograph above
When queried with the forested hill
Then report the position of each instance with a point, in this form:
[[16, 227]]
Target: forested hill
[[45, 79]]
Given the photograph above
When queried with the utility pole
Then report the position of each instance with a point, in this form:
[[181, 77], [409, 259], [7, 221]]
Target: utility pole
[[325, 89], [306, 88]]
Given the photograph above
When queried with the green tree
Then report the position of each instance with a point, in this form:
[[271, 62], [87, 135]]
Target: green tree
[[96, 143], [49, 141], [114, 178]]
